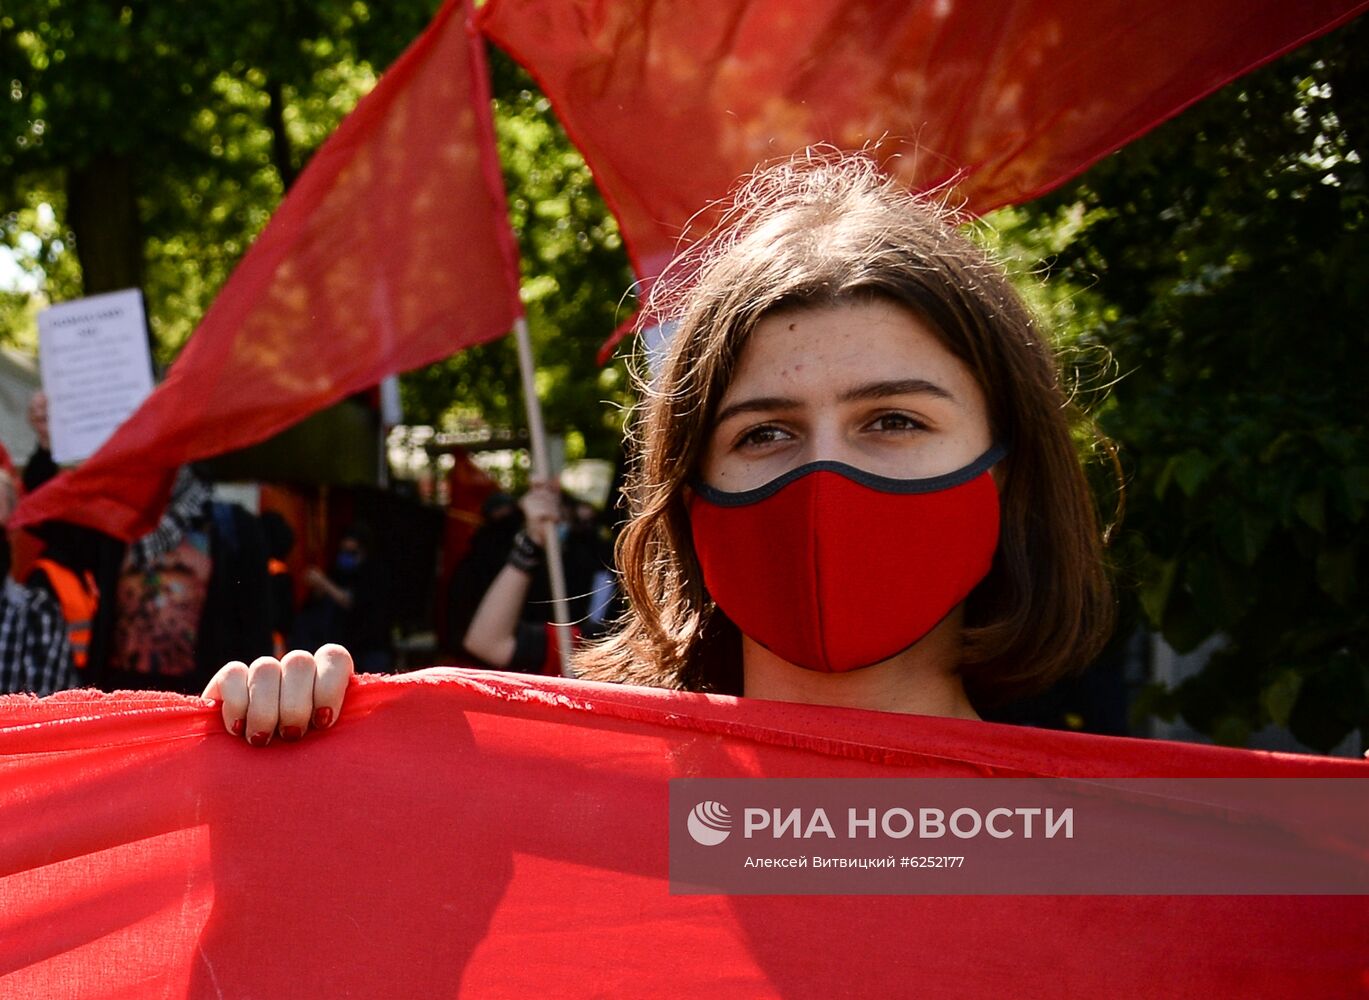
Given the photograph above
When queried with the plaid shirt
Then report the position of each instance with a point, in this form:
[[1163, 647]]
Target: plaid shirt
[[35, 654]]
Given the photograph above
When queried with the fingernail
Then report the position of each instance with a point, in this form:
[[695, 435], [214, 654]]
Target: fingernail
[[291, 733], [238, 726], [260, 739], [323, 717]]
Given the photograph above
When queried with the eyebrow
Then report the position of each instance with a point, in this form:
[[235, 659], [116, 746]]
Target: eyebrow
[[870, 390], [759, 403], [895, 387]]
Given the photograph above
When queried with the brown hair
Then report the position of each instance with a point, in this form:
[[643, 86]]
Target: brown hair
[[819, 230]]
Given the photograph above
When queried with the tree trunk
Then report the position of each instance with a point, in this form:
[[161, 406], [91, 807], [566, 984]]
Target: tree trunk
[[280, 140], [102, 210]]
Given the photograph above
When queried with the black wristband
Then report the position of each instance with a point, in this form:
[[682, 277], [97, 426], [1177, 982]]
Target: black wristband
[[526, 554]]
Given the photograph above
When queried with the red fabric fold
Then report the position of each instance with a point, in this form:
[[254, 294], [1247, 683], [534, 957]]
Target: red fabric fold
[[392, 250], [489, 834]]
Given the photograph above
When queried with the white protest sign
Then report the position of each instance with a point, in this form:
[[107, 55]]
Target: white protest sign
[[96, 368]]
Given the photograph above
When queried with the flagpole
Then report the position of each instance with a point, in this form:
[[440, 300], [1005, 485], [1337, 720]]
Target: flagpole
[[541, 469]]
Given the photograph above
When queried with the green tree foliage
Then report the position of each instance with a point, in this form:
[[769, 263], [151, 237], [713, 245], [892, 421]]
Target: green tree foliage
[[1223, 261], [163, 133]]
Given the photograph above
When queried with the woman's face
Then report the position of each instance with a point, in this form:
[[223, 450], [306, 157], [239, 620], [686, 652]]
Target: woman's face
[[864, 383]]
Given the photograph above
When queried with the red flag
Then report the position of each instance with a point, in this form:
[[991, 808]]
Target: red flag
[[391, 250], [490, 835], [671, 100]]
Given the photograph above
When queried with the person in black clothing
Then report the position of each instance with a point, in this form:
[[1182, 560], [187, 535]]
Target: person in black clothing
[[40, 467], [489, 548], [236, 620], [280, 588], [508, 629], [191, 594], [351, 602]]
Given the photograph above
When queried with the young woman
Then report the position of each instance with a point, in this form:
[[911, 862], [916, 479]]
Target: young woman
[[856, 482]]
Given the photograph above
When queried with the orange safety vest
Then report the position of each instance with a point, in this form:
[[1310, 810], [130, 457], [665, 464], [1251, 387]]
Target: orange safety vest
[[79, 598]]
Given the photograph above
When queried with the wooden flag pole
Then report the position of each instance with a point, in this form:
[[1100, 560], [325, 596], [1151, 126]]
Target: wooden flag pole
[[541, 469]]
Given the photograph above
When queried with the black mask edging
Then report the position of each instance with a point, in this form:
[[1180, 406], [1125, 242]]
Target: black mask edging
[[883, 484]]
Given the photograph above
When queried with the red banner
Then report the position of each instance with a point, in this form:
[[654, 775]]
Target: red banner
[[672, 100], [485, 834], [392, 250]]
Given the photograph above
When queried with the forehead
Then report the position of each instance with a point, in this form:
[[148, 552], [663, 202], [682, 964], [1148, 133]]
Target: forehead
[[819, 350]]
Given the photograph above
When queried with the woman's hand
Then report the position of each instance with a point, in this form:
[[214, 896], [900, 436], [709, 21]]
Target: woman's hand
[[291, 695], [541, 509]]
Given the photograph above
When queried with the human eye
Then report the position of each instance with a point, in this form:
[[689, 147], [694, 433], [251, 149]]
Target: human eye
[[896, 423], [760, 436]]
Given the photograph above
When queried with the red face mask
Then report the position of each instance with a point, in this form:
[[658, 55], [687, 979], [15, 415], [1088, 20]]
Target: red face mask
[[834, 569]]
